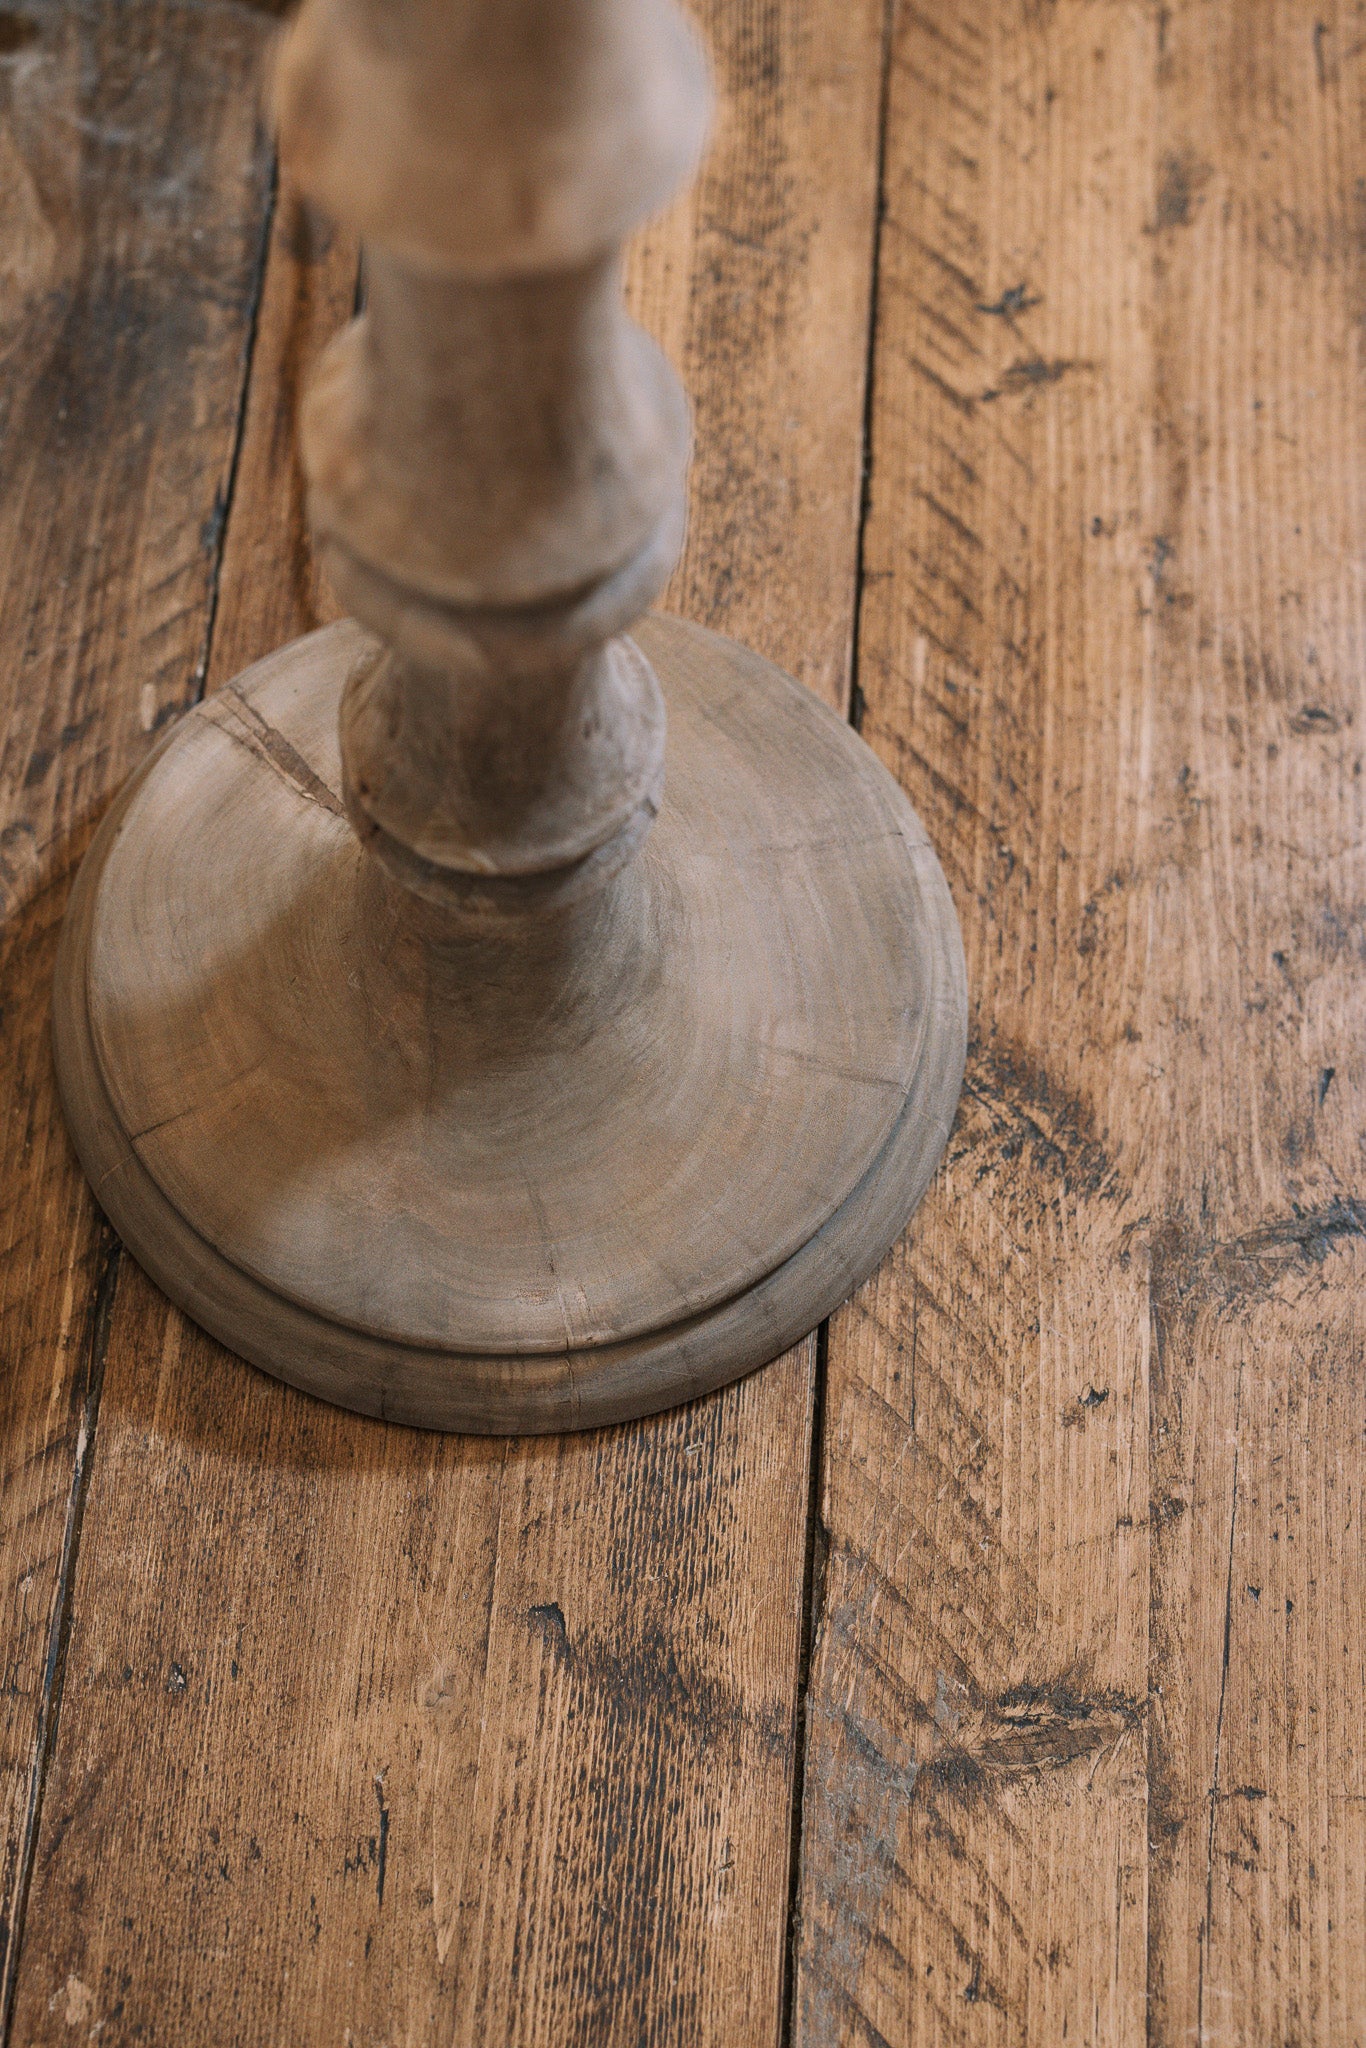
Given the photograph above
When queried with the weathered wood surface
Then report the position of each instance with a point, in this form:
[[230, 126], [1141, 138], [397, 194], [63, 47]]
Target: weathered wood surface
[[1085, 1758], [133, 189], [1088, 1572], [428, 1739], [270, 588]]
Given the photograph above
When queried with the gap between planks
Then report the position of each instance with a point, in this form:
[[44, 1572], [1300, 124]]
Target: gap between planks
[[99, 1312]]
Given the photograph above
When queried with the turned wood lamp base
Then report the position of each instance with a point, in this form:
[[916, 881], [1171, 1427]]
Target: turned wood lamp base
[[432, 1033], [512, 1173]]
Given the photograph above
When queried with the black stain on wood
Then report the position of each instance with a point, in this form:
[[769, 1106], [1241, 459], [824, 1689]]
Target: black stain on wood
[[1315, 718], [87, 1797], [1173, 194], [1029, 373], [1180, 179], [1031, 1118], [646, 1681], [1234, 1272], [1011, 303], [1074, 1415], [1025, 1731], [383, 1854], [549, 1619], [212, 527], [17, 32]]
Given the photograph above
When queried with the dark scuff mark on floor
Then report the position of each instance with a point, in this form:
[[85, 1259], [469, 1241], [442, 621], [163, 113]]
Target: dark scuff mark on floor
[[383, 1853], [1232, 1273], [1011, 303], [548, 1618]]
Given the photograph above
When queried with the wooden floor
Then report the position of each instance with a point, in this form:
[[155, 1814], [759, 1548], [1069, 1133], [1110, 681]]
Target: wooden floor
[[993, 1668]]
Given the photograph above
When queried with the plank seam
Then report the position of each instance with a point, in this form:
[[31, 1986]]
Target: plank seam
[[813, 1600], [1205, 1934], [63, 1607], [258, 286], [856, 699], [111, 1255], [817, 1536]]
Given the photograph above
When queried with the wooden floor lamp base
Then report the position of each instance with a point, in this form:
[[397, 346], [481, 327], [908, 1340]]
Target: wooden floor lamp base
[[521, 1175]]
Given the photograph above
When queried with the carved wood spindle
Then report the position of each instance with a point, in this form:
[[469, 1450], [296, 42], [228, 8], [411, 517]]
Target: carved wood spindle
[[496, 453], [396, 1051]]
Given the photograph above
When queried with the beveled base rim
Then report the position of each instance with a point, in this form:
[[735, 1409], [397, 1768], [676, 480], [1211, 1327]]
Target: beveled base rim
[[525, 1393]]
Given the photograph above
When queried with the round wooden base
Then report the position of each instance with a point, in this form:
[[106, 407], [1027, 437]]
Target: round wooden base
[[515, 1173]]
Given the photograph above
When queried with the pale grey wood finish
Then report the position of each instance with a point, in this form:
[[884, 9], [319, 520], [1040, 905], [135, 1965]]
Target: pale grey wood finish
[[177, 1118]]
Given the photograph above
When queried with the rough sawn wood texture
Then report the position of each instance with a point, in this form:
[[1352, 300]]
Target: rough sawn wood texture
[[1084, 1757], [1082, 1735], [134, 187]]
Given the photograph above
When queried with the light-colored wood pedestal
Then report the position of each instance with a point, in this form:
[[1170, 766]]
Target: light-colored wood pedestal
[[512, 1172]]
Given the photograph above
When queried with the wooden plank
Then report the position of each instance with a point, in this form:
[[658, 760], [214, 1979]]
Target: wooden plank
[[388, 1736], [133, 184], [973, 1822], [1094, 1459], [270, 587], [1258, 1770]]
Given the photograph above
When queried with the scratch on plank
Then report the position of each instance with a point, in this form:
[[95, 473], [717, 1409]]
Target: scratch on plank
[[1205, 1935]]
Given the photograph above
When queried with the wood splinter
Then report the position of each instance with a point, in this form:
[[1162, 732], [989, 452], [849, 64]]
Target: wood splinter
[[431, 1032]]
